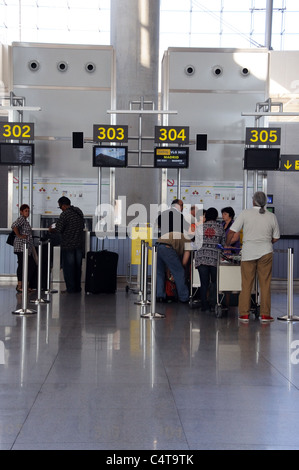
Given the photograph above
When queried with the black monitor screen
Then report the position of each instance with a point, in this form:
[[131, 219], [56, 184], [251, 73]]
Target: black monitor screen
[[16, 154], [110, 156], [262, 159], [171, 157]]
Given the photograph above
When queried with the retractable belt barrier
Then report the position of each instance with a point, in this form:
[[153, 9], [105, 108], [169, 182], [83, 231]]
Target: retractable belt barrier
[[39, 300], [24, 310], [143, 274], [290, 317], [144, 270], [49, 290]]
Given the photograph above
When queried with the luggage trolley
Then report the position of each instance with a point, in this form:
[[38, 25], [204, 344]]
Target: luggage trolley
[[229, 280], [228, 277]]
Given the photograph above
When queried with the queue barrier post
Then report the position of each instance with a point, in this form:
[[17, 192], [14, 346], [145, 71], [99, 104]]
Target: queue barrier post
[[141, 274], [142, 262], [24, 310], [49, 290], [153, 314], [144, 275], [39, 299], [290, 299]]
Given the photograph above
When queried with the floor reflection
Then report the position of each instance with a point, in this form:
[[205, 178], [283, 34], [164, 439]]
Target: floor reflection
[[103, 372]]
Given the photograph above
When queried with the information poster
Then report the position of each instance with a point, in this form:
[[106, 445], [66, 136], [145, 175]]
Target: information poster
[[209, 194], [47, 191]]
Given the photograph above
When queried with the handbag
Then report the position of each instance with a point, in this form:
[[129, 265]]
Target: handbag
[[11, 237]]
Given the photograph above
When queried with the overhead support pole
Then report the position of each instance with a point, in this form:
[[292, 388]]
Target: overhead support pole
[[140, 113], [268, 27], [262, 113]]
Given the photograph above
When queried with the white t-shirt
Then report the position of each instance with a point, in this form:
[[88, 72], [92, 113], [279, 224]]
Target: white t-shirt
[[258, 232]]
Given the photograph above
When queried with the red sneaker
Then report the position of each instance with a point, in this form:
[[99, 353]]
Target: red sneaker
[[244, 318], [266, 318]]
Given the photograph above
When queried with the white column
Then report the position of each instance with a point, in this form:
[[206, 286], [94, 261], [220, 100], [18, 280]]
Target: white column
[[135, 38]]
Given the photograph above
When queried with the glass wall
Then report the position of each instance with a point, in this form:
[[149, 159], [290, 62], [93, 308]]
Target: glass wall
[[183, 23], [55, 21], [228, 23]]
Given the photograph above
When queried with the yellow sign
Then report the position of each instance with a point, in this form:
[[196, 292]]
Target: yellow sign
[[261, 136], [139, 234], [17, 130], [289, 163], [110, 133], [172, 134]]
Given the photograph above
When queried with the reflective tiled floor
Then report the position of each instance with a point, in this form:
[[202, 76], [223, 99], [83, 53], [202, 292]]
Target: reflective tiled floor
[[87, 372]]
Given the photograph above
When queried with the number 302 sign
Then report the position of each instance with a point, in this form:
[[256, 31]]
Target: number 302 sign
[[17, 130], [262, 136]]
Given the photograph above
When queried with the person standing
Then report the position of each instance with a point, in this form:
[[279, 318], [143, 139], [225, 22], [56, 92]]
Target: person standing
[[228, 215], [172, 254], [172, 219], [70, 225], [23, 232], [260, 231], [207, 238]]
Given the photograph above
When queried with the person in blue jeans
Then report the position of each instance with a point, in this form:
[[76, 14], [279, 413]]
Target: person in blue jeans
[[70, 225], [172, 252], [170, 256], [208, 237]]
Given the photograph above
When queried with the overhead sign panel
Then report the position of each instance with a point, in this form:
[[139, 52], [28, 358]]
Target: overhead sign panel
[[110, 133], [289, 163], [171, 135], [16, 131], [263, 136]]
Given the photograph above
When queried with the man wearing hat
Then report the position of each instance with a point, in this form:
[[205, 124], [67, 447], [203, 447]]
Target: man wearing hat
[[70, 225]]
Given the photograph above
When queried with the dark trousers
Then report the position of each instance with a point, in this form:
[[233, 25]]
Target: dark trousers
[[72, 267], [208, 279], [32, 270]]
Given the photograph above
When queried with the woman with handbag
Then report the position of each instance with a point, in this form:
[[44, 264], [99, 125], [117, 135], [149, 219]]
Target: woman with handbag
[[23, 232]]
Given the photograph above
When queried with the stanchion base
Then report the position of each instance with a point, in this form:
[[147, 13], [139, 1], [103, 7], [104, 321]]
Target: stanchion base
[[26, 311], [287, 318], [40, 301], [152, 316]]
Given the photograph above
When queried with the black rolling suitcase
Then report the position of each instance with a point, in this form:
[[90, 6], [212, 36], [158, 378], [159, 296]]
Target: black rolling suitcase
[[101, 272]]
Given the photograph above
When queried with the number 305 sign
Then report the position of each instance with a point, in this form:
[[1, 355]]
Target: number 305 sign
[[262, 135]]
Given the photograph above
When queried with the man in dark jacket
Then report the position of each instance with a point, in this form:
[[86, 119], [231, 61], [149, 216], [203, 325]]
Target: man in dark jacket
[[70, 225]]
